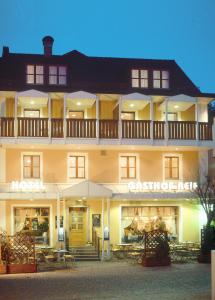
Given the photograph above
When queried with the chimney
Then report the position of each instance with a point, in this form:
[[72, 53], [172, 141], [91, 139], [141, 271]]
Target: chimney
[[5, 51], [47, 44]]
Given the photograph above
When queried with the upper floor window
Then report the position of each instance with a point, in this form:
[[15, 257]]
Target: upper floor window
[[139, 78], [171, 164], [160, 79], [35, 74], [127, 167], [57, 75], [31, 166], [76, 166]]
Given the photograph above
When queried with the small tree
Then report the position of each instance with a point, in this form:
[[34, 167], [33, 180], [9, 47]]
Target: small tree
[[206, 195]]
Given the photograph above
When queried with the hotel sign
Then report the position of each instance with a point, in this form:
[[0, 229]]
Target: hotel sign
[[137, 186], [27, 186]]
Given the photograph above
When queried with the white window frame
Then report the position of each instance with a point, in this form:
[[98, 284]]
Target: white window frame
[[40, 154], [161, 79], [180, 160], [122, 180], [35, 74], [86, 166], [51, 223], [139, 78], [57, 76]]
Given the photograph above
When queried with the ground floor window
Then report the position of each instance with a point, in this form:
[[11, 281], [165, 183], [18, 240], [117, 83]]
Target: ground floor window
[[34, 221], [137, 219]]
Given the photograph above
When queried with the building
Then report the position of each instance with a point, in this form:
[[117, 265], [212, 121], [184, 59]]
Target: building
[[111, 145]]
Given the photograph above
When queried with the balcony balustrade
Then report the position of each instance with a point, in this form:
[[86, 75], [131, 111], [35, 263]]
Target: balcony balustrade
[[107, 129], [81, 128], [32, 127]]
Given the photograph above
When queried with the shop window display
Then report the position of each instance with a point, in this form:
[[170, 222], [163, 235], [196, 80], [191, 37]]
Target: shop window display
[[33, 221], [137, 220]]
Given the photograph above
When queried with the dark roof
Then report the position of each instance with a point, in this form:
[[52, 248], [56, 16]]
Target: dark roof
[[94, 74]]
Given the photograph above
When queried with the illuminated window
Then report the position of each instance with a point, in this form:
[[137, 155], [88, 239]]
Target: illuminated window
[[160, 79], [171, 164], [128, 167], [35, 74], [57, 75], [31, 166], [76, 166], [139, 78]]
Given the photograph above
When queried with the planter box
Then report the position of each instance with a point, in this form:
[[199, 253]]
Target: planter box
[[204, 258], [21, 268], [3, 269], [154, 262]]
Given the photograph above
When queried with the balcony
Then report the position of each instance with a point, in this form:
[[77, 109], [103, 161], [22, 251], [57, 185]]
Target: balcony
[[107, 129], [82, 117]]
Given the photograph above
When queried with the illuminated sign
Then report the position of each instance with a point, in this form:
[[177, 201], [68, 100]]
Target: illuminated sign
[[137, 186], [25, 186]]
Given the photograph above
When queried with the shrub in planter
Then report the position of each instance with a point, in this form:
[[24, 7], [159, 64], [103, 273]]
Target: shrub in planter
[[207, 245]]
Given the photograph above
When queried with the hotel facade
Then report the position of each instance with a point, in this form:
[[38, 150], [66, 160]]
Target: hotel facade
[[108, 145]]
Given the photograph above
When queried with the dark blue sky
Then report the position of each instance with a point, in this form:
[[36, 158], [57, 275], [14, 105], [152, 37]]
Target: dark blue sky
[[183, 30]]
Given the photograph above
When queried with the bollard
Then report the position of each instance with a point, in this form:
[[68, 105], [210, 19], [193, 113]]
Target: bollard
[[213, 274]]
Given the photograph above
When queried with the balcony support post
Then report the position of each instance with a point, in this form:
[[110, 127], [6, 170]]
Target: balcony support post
[[197, 120], [15, 116], [151, 119], [108, 226], [102, 219], [120, 120], [166, 119], [49, 118], [97, 117], [64, 117]]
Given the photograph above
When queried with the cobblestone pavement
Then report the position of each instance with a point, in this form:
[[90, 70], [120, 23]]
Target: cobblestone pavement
[[110, 280]]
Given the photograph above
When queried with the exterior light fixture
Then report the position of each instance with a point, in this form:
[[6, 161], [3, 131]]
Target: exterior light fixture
[[176, 106], [131, 105], [78, 103], [32, 102]]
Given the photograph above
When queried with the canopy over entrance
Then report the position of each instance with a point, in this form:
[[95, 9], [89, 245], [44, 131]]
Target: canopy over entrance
[[87, 189]]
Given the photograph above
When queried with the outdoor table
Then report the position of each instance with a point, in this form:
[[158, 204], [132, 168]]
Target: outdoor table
[[60, 253]]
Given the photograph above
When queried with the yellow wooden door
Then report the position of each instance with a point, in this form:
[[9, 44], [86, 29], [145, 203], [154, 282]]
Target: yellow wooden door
[[77, 226]]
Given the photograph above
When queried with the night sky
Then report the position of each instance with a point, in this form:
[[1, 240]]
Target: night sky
[[183, 30]]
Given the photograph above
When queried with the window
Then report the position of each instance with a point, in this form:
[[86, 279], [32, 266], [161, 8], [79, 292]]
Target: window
[[31, 113], [139, 78], [35, 220], [57, 75], [31, 166], [160, 79], [128, 167], [171, 164], [35, 74], [170, 116], [76, 114], [128, 115], [76, 166]]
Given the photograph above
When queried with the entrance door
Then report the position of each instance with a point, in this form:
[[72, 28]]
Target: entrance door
[[77, 226]]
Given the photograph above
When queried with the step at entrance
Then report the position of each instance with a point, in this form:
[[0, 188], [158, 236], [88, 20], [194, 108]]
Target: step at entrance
[[84, 253]]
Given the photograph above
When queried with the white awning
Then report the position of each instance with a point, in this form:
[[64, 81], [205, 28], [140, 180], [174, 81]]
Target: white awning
[[32, 94], [182, 98], [81, 95], [136, 96], [87, 189]]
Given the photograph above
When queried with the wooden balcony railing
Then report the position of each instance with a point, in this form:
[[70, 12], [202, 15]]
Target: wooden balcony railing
[[158, 130], [33, 127], [108, 129], [136, 129], [57, 128], [182, 130], [81, 128], [205, 131], [6, 127]]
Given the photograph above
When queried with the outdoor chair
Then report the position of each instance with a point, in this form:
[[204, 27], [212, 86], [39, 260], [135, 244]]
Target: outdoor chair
[[68, 258]]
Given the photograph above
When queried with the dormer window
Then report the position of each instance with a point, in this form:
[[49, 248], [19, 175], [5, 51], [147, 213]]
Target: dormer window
[[35, 74], [57, 75], [160, 79], [139, 78]]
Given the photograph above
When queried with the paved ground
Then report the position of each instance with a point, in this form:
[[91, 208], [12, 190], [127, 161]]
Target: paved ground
[[110, 280]]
